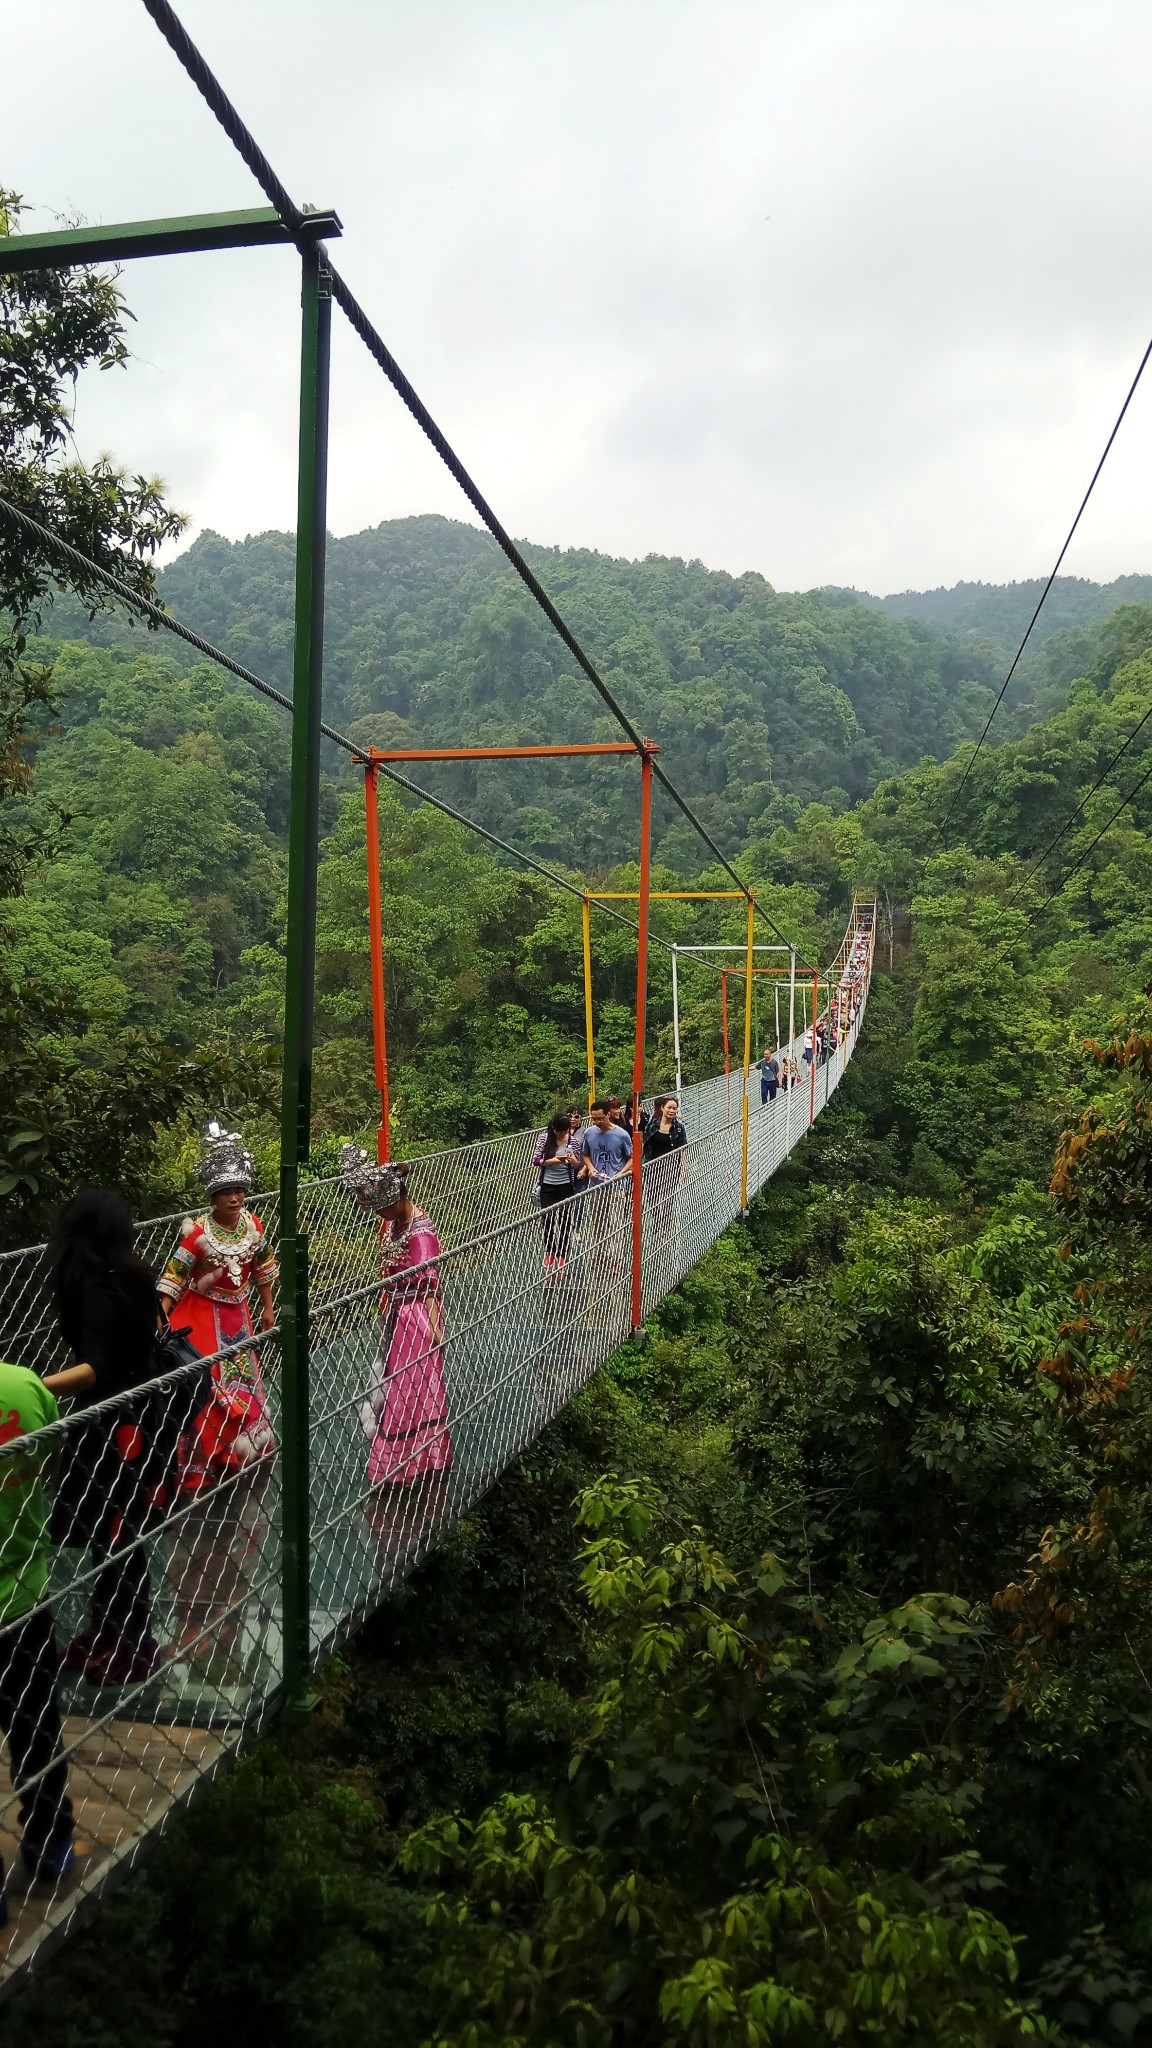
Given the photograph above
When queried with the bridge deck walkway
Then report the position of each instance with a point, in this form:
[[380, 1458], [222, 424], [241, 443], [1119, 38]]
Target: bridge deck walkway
[[518, 1343]]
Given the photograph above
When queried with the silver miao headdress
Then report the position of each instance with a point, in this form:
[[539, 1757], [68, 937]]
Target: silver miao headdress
[[225, 1161], [373, 1187]]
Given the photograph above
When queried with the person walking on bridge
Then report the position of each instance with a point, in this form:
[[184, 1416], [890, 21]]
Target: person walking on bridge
[[769, 1070], [635, 1118], [405, 1409], [666, 1133], [29, 1660], [108, 1310], [558, 1166], [663, 1146], [605, 1146], [204, 1291], [606, 1152], [226, 1455]]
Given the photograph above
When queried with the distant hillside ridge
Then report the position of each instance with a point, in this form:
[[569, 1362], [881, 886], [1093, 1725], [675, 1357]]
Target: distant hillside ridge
[[1001, 611], [762, 700]]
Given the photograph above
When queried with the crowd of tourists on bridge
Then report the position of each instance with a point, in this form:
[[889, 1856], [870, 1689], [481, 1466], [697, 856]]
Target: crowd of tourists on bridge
[[180, 1436], [572, 1158]]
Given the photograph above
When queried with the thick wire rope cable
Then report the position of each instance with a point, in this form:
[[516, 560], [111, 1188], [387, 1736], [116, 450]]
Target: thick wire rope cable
[[940, 829], [1082, 806], [149, 609], [158, 617], [1092, 845], [1006, 945], [242, 139]]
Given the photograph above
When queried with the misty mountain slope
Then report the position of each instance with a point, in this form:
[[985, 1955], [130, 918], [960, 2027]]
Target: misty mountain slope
[[762, 700]]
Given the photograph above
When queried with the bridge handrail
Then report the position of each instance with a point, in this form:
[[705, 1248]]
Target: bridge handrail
[[514, 1341]]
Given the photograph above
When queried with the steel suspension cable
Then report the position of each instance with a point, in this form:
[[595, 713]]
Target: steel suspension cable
[[1047, 587], [147, 608], [1006, 945], [208, 86], [1082, 806], [1092, 845], [158, 617], [238, 133]]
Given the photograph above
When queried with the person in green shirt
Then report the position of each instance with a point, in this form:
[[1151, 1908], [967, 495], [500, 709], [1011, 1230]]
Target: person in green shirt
[[29, 1660]]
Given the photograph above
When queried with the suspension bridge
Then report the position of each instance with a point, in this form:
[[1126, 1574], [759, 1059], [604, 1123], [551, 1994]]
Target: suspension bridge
[[262, 1576], [518, 1344]]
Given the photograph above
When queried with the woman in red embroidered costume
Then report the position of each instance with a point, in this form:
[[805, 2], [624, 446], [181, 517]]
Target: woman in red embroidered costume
[[204, 1290], [405, 1412]]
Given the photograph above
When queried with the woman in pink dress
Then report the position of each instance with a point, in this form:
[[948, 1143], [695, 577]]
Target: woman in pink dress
[[405, 1412]]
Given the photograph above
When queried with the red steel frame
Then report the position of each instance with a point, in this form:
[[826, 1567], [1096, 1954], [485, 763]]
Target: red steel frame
[[812, 1027], [498, 753], [641, 1004], [376, 948], [372, 759]]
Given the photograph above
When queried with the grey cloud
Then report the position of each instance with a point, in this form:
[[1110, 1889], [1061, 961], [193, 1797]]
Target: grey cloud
[[557, 216]]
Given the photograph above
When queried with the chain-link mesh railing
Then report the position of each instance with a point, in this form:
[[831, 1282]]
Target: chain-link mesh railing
[[141, 1624], [140, 1638]]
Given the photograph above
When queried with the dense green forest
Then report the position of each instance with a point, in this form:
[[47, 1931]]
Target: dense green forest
[[161, 910], [762, 701], [990, 620], [1000, 611], [795, 1685]]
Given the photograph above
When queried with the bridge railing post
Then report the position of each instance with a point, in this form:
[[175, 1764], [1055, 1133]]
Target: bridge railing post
[[300, 967], [376, 952], [638, 1052], [589, 1032], [750, 940]]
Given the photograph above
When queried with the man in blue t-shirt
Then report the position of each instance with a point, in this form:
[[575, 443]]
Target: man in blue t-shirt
[[607, 1149]]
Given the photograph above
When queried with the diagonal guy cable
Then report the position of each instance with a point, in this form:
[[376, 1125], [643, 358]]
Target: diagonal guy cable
[[157, 616], [1006, 946], [1082, 806], [1145, 779], [277, 194], [1047, 587]]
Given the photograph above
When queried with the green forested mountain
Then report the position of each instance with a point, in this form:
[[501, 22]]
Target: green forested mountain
[[163, 906], [795, 1684], [989, 621], [762, 701], [1000, 611], [162, 909]]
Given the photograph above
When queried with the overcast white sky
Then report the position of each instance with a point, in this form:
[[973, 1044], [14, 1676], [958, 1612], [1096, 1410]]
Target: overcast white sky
[[846, 291]]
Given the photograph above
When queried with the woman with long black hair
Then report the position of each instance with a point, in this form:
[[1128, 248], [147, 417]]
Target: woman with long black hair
[[664, 1142], [107, 1308], [557, 1165]]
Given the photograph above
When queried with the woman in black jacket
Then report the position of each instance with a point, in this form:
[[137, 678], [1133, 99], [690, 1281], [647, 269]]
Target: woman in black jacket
[[107, 1308], [665, 1133], [664, 1138]]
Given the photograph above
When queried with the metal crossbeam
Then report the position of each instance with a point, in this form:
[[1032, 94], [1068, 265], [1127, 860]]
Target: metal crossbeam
[[253, 227]]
